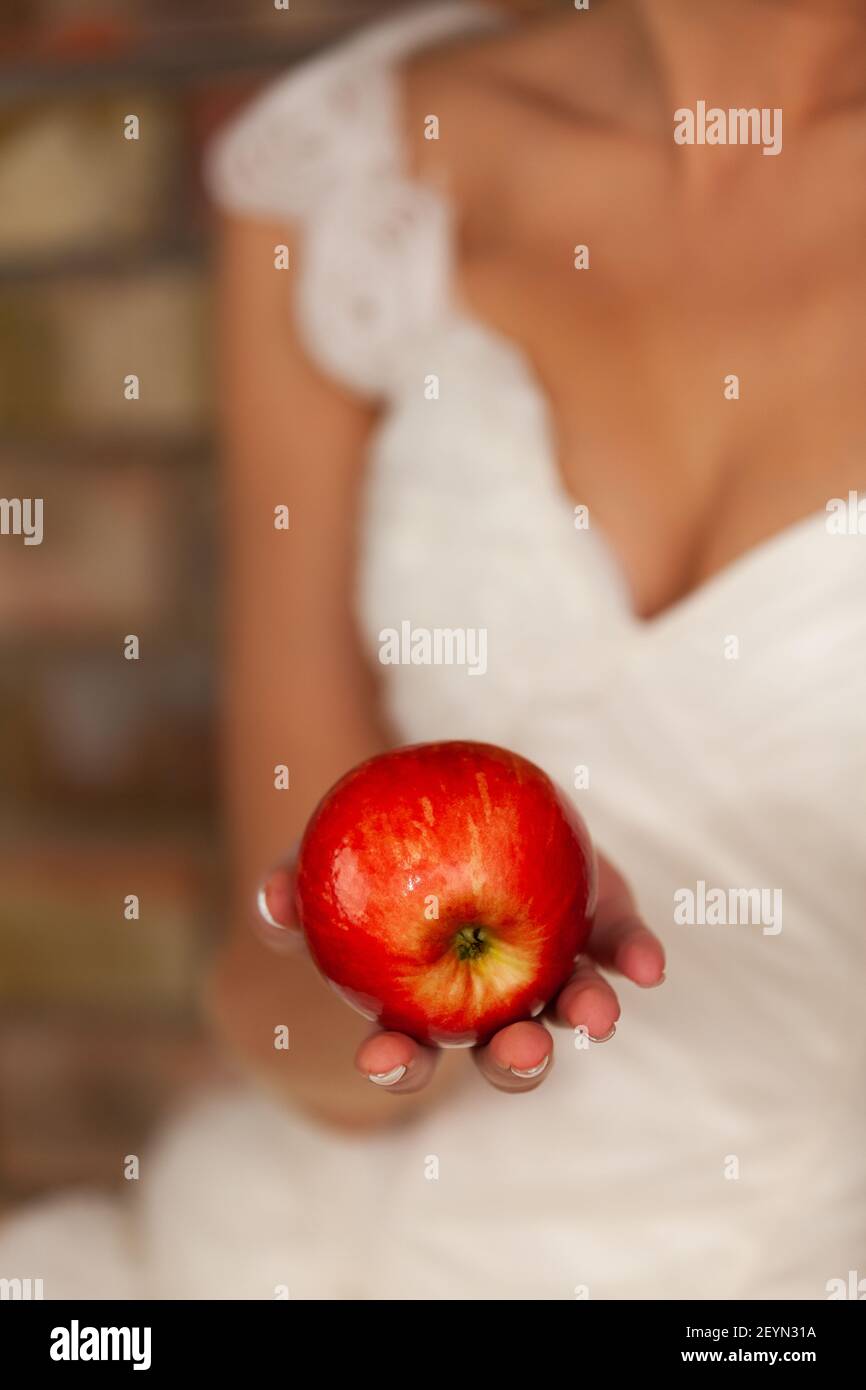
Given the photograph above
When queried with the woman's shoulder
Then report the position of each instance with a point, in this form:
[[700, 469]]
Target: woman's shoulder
[[323, 151], [332, 118]]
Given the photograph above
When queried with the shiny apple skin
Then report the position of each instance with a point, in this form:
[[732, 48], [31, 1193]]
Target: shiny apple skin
[[486, 835]]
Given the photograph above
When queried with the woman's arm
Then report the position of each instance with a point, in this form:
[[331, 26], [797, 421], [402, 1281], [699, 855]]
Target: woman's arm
[[298, 693], [296, 689]]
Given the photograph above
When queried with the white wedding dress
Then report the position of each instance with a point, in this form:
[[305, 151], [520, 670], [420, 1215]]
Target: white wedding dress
[[716, 1147]]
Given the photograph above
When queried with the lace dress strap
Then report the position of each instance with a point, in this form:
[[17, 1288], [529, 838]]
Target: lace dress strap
[[322, 148]]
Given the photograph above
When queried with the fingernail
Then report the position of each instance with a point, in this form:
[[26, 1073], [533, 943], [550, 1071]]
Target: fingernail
[[387, 1078], [530, 1071], [607, 1037], [264, 911], [660, 981], [276, 935]]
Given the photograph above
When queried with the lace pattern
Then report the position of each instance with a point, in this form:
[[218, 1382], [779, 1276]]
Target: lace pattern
[[322, 148]]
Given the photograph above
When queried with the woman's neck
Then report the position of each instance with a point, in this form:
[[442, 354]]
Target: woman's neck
[[804, 57]]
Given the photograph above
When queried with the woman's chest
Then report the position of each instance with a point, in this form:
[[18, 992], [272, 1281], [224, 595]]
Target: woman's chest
[[694, 411], [699, 337], [495, 616]]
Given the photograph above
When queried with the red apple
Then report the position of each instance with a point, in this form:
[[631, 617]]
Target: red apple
[[445, 890]]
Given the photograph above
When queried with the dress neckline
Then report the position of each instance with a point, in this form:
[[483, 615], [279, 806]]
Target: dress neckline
[[475, 18]]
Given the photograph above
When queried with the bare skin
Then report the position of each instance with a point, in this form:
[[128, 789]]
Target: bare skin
[[704, 262]]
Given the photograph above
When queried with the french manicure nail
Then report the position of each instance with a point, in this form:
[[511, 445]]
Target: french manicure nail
[[530, 1071], [654, 984], [387, 1078], [264, 911], [607, 1037]]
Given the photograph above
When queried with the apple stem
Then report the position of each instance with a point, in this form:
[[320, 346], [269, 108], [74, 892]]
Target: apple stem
[[470, 942]]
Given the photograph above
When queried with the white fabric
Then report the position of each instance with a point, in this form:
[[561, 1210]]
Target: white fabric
[[323, 148], [741, 773]]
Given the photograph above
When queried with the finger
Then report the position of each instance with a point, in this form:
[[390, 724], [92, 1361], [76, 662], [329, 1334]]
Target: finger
[[628, 945], [620, 938], [396, 1063], [588, 1001], [275, 920], [517, 1058]]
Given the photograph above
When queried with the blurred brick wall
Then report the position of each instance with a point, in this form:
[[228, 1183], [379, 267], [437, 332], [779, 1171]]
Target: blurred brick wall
[[107, 766]]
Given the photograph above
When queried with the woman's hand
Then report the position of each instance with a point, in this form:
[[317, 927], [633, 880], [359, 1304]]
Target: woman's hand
[[518, 1057]]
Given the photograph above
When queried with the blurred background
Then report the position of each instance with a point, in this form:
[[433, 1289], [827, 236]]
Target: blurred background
[[108, 767]]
